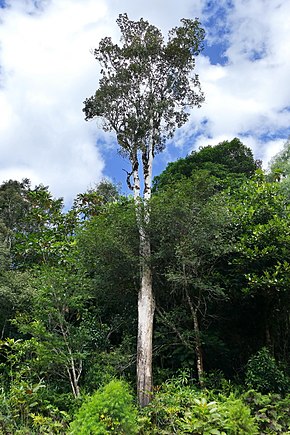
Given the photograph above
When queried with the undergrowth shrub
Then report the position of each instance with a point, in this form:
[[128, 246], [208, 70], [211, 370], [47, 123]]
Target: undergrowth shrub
[[271, 411], [263, 374], [183, 409], [24, 410], [109, 410]]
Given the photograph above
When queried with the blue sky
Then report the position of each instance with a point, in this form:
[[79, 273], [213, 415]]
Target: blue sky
[[47, 70]]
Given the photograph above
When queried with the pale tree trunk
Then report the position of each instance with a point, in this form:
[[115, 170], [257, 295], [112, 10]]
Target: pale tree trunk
[[146, 306], [197, 340], [146, 303], [74, 373]]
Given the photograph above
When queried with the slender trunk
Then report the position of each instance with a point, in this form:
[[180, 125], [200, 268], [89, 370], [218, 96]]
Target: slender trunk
[[146, 303], [198, 349], [146, 306], [75, 376], [197, 340], [73, 372]]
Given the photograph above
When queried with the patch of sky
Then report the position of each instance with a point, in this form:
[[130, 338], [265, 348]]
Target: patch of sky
[[115, 165], [216, 53], [216, 23], [204, 122], [282, 133], [268, 135], [1, 77], [2, 4]]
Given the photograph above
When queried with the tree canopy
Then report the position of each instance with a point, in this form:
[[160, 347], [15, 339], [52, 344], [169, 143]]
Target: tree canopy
[[146, 84], [226, 161]]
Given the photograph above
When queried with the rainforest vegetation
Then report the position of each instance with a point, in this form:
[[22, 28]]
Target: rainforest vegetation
[[220, 235], [162, 312]]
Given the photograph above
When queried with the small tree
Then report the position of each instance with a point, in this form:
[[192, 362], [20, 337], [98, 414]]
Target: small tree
[[109, 411], [145, 89], [61, 323]]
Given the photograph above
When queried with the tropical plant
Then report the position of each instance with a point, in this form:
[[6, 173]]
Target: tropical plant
[[109, 410]]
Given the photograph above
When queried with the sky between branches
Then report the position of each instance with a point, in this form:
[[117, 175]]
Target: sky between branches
[[47, 70]]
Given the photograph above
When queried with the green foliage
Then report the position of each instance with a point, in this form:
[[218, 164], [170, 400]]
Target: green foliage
[[223, 255], [61, 322], [108, 251], [225, 416], [35, 227], [271, 411], [24, 410], [13, 207], [257, 272], [185, 222], [264, 374], [15, 296], [182, 409], [109, 411], [228, 162], [47, 239], [280, 166], [92, 202]]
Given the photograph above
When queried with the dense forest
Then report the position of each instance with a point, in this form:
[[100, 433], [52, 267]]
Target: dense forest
[[220, 231]]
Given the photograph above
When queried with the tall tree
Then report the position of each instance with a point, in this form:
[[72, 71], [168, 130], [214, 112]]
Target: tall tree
[[145, 89]]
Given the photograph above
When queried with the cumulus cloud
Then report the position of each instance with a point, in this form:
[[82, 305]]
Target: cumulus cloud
[[248, 95], [45, 62], [47, 70]]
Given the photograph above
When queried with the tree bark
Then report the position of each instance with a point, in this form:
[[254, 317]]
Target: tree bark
[[146, 302], [146, 307], [197, 341]]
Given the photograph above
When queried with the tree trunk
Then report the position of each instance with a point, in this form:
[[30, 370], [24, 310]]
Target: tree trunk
[[73, 373], [198, 349], [197, 340], [146, 306], [146, 303]]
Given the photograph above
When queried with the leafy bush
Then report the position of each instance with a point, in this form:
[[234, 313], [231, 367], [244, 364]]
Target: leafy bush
[[182, 409], [264, 375], [23, 410], [25, 403], [109, 410]]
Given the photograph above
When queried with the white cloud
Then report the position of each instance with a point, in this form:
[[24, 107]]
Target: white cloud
[[249, 95], [47, 70]]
